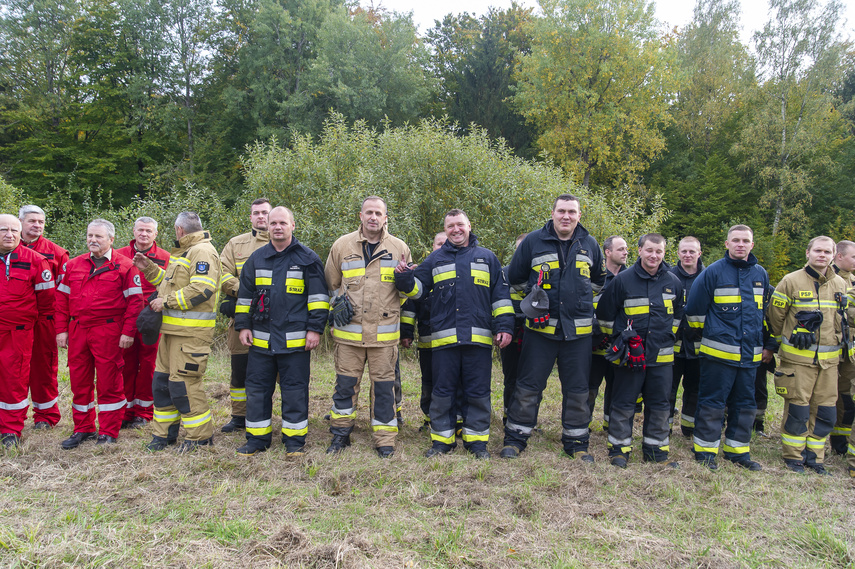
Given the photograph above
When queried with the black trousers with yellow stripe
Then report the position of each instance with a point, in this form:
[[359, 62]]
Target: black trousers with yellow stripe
[[293, 371]]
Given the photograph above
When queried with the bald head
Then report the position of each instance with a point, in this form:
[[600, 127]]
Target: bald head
[[10, 233], [280, 224]]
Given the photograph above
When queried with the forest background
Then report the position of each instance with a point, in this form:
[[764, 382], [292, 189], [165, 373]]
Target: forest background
[[118, 108]]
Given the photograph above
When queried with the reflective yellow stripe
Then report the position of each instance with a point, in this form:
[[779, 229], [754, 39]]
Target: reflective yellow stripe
[[197, 420], [481, 277], [179, 298], [242, 309], [183, 261], [260, 431], [793, 440], [349, 273], [444, 342], [158, 278], [388, 336], [720, 354], [166, 416], [263, 281], [299, 343], [736, 450], [664, 358], [295, 286], [503, 310], [635, 310], [346, 335], [295, 432], [319, 306], [238, 394], [727, 299], [699, 448], [481, 339], [189, 322], [203, 280], [441, 439], [334, 415], [260, 343], [387, 274], [809, 354]]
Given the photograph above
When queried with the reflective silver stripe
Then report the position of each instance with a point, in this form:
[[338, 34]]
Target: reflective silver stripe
[[337, 411], [47, 405], [259, 335], [669, 296], [574, 432], [758, 291], [479, 267], [15, 406], [675, 323], [548, 258], [654, 442], [113, 406], [707, 444], [669, 351], [318, 298], [735, 443], [295, 335], [444, 434], [500, 303], [392, 423], [721, 347], [407, 314], [687, 418], [188, 314], [133, 290], [420, 288], [585, 258], [140, 403], [726, 292], [258, 424], [244, 302], [263, 273], [64, 288], [294, 275], [486, 433], [636, 302], [759, 350], [439, 269], [349, 266], [44, 286], [583, 322], [444, 334], [298, 426], [700, 319], [813, 347], [519, 428], [482, 332], [354, 328], [620, 442], [388, 328], [83, 408], [388, 263]]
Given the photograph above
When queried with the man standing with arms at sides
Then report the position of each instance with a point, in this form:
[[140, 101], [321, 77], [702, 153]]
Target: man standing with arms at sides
[[282, 310], [642, 309], [366, 312], [27, 294], [470, 310], [615, 252], [844, 265], [687, 365], [140, 357], [726, 305], [566, 261], [805, 315], [97, 305], [187, 298], [234, 255], [45, 362]]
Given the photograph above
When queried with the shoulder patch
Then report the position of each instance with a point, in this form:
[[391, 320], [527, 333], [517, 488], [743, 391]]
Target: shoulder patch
[[202, 267], [46, 276], [64, 266], [583, 252], [669, 291], [137, 280]]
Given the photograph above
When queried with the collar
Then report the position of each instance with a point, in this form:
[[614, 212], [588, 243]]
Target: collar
[[108, 255], [361, 237], [192, 239], [578, 233], [816, 276], [691, 275], [261, 234], [639, 270], [750, 261]]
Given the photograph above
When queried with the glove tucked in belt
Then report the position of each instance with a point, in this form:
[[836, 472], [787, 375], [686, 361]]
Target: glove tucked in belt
[[807, 323], [341, 312]]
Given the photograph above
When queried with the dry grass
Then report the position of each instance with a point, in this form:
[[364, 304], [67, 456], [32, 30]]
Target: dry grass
[[124, 507]]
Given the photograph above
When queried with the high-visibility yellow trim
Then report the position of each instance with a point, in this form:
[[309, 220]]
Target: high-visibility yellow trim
[[699, 448], [444, 342], [179, 298], [356, 336], [298, 343], [720, 354], [736, 450], [204, 280], [388, 428], [158, 278], [809, 354], [334, 415], [635, 310], [318, 306], [196, 420], [238, 393], [260, 431], [350, 273], [258, 343], [439, 277], [388, 336], [295, 432], [482, 339], [387, 274], [242, 309], [793, 440], [189, 322], [473, 438], [441, 439], [481, 278], [166, 416], [263, 281], [666, 358], [727, 299], [503, 310], [295, 286]]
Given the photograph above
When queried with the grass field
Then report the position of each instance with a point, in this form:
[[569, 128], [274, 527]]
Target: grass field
[[120, 506]]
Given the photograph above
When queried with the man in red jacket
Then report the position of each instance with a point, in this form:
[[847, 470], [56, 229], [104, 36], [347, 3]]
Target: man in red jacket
[[27, 294], [97, 306], [140, 357], [45, 362]]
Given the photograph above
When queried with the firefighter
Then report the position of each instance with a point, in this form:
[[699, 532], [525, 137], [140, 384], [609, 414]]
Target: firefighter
[[27, 294], [615, 253], [45, 363], [726, 305], [99, 299], [470, 308], [366, 313], [642, 309], [844, 265], [566, 262], [687, 366], [234, 255], [140, 357], [805, 316], [187, 299], [282, 310]]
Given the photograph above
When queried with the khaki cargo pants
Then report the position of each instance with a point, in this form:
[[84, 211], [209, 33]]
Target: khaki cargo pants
[[177, 388], [810, 399]]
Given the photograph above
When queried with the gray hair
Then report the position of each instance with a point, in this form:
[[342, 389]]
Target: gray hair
[[111, 229], [145, 219], [189, 221], [28, 209]]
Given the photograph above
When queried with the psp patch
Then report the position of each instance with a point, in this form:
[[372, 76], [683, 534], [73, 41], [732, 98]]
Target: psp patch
[[46, 276], [202, 267]]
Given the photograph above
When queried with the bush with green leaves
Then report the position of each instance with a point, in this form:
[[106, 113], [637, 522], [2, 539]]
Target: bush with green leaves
[[422, 171]]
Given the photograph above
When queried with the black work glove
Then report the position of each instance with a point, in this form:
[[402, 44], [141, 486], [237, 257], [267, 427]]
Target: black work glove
[[227, 307], [604, 343], [540, 322], [341, 312], [807, 323], [617, 353], [260, 309], [636, 360]]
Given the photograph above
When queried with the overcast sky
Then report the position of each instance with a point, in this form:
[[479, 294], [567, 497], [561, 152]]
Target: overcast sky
[[670, 12]]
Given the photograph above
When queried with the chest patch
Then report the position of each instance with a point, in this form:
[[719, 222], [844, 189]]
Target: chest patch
[[805, 294]]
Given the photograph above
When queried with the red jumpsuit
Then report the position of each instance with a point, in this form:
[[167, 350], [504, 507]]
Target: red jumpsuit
[[27, 295], [45, 362], [139, 358], [96, 307]]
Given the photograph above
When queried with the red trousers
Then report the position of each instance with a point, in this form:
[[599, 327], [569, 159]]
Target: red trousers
[[95, 362], [43, 368], [138, 373], [16, 348]]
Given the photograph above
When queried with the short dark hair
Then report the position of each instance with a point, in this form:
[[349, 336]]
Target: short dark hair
[[260, 201], [453, 212], [607, 244], [566, 198], [653, 237], [740, 228], [378, 198]]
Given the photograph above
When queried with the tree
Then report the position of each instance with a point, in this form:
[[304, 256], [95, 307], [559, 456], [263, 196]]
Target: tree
[[597, 85]]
